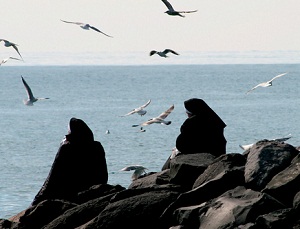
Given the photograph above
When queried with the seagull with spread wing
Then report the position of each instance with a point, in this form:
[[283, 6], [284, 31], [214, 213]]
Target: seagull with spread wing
[[266, 84], [163, 53], [173, 12], [86, 27], [140, 110], [11, 44], [138, 171], [31, 99], [9, 58], [158, 119]]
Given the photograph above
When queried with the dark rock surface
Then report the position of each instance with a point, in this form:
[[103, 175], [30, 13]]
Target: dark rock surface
[[257, 189]]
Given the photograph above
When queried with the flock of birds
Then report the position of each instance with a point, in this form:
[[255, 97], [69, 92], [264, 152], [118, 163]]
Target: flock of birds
[[160, 119]]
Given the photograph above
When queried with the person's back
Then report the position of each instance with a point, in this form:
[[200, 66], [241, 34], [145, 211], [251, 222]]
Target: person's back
[[80, 163]]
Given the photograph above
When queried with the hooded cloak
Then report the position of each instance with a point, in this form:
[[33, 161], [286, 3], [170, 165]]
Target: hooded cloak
[[79, 163], [202, 131]]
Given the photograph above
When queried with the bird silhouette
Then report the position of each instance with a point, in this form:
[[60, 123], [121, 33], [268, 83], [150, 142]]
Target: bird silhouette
[[86, 27], [173, 12]]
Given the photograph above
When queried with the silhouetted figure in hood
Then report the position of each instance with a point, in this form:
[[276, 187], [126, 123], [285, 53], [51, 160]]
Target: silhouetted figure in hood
[[201, 132], [79, 163]]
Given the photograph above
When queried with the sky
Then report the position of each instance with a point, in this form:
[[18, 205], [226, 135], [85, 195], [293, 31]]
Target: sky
[[142, 25]]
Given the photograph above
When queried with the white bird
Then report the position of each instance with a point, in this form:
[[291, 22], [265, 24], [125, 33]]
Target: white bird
[[138, 171], [140, 110], [31, 99], [10, 44], [86, 27], [158, 119], [173, 12], [266, 84], [163, 53], [246, 147], [6, 59], [107, 132]]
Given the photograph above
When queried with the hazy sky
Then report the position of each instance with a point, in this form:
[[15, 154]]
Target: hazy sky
[[142, 25]]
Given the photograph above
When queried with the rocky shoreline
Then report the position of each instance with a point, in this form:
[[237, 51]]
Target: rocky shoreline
[[257, 189]]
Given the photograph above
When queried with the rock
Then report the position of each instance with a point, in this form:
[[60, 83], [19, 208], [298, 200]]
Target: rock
[[266, 159], [220, 165], [137, 211], [222, 175], [185, 168], [35, 217], [283, 218], [236, 207], [296, 202], [97, 191], [80, 214], [153, 179], [285, 185]]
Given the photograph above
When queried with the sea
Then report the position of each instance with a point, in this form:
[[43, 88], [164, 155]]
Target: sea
[[100, 92]]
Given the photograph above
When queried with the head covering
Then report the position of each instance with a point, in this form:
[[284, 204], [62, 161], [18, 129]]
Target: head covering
[[198, 107], [79, 132]]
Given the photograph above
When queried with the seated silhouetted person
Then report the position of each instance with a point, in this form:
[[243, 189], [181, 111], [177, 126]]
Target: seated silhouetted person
[[79, 163], [201, 132]]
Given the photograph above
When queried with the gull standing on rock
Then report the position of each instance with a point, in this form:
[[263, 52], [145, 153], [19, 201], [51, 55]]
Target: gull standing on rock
[[31, 99], [163, 53], [86, 27], [10, 44], [158, 119], [173, 12], [138, 171], [246, 147], [139, 110], [266, 84]]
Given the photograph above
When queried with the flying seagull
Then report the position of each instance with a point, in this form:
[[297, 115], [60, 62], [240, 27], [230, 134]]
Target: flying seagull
[[6, 59], [86, 26], [31, 99], [246, 147], [266, 84], [173, 12], [139, 110], [163, 53], [138, 171], [10, 44], [158, 119]]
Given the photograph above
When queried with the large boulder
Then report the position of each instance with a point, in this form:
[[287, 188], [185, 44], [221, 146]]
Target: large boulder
[[37, 216], [134, 209], [285, 185], [151, 179], [236, 207], [80, 214], [266, 159], [282, 218], [186, 168], [225, 173], [97, 191]]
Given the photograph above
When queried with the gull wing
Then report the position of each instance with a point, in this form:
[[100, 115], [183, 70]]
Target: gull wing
[[189, 11], [94, 28], [258, 85], [171, 51], [277, 76], [28, 90], [166, 113], [132, 167], [71, 22], [168, 5], [146, 104], [137, 109], [152, 52]]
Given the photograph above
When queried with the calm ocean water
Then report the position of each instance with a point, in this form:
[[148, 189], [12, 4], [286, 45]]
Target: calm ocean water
[[30, 136]]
